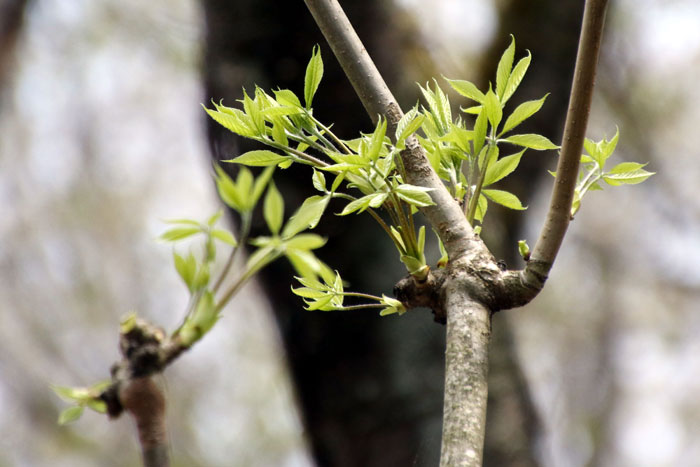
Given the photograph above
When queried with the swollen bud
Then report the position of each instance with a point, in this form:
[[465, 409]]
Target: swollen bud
[[524, 249]]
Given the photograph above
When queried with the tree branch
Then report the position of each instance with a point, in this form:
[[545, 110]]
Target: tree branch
[[466, 378], [146, 351], [446, 216], [145, 401], [559, 214]]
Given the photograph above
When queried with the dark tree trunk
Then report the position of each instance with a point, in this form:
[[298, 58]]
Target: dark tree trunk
[[370, 389], [12, 13]]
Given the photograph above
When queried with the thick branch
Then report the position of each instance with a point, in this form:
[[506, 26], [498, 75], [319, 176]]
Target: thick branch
[[466, 372], [559, 215], [446, 216]]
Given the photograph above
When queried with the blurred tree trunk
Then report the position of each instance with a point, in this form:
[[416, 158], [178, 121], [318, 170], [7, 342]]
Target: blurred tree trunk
[[12, 14], [365, 399], [370, 390], [548, 28]]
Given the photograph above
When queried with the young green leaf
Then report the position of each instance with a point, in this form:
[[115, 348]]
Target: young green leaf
[[480, 127], [259, 186], [521, 113], [460, 137], [505, 64], [467, 89], [415, 266], [438, 109], [415, 195], [83, 397], [600, 151], [259, 158], [502, 168], [287, 98], [231, 123], [244, 185], [307, 216], [186, 268], [225, 236], [273, 209], [70, 414], [228, 190], [273, 113], [201, 278], [392, 306], [504, 198], [608, 147], [493, 109], [409, 124], [360, 204], [377, 140], [304, 262], [314, 73], [319, 181], [214, 218], [516, 76], [627, 173], [254, 112], [279, 135], [532, 141], [179, 233], [201, 321], [481, 207], [181, 221], [305, 242]]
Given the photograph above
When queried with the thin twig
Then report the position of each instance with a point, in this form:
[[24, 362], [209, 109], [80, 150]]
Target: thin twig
[[559, 214]]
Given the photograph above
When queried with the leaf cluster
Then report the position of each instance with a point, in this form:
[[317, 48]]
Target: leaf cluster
[[466, 151], [593, 170], [80, 397], [367, 172]]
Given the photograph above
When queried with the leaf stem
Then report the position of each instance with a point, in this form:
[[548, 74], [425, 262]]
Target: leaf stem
[[333, 136], [363, 295], [474, 202], [302, 155], [235, 287], [245, 230], [363, 306]]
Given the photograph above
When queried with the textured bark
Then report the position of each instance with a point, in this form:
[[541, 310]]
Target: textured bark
[[466, 378]]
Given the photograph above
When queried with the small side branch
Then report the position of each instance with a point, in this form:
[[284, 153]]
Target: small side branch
[[559, 214]]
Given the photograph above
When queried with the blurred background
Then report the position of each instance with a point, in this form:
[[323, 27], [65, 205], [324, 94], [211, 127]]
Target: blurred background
[[102, 137]]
